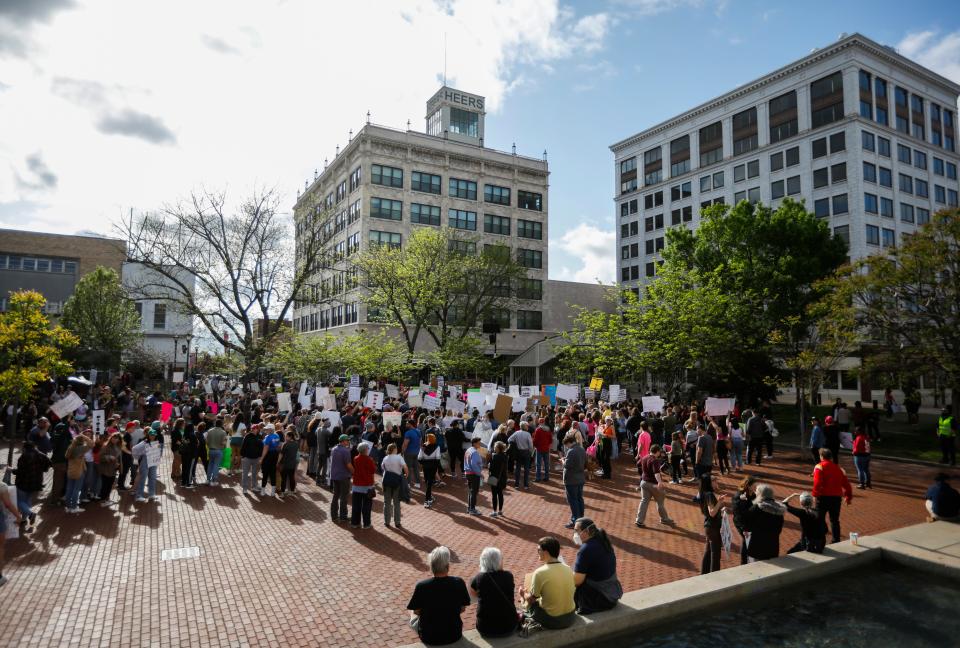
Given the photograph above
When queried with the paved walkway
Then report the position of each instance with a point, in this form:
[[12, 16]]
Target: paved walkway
[[274, 572]]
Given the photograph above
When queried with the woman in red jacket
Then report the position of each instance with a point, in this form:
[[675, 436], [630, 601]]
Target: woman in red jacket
[[861, 457], [363, 470], [830, 485]]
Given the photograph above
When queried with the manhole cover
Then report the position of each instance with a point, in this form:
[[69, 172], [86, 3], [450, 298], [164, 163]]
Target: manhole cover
[[180, 553]]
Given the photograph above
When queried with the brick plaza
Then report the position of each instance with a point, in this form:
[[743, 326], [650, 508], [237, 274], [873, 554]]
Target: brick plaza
[[279, 572]]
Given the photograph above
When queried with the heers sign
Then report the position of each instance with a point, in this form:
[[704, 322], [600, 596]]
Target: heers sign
[[453, 96]]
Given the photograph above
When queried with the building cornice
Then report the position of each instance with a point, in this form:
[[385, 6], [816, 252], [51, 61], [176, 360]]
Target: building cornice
[[853, 41]]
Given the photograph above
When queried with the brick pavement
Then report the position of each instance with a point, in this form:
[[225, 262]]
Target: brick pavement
[[277, 572]]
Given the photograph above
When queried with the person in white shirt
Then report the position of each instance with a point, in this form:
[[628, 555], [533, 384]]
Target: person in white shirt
[[147, 452], [523, 442], [394, 473]]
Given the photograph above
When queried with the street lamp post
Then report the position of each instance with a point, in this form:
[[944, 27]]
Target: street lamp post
[[173, 367]]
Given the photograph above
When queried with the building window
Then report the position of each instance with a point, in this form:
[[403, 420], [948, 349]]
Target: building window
[[783, 117], [531, 258], [628, 165], [776, 161], [531, 289], [869, 172], [886, 177], [868, 141], [820, 178], [916, 109], [139, 308], [826, 100], [951, 170], [434, 124], [386, 176], [355, 177], [821, 208], [842, 232], [776, 189], [903, 153], [951, 197], [353, 212], [680, 191], [500, 253], [649, 246], [496, 195], [711, 144], [629, 185], [873, 235], [838, 173], [653, 200], [753, 195], [705, 183], [870, 203], [889, 238], [739, 173], [753, 169], [679, 156], [937, 166], [529, 229], [883, 146], [718, 179], [793, 185], [464, 122], [384, 238], [920, 159], [456, 246], [425, 214], [388, 209], [840, 204], [426, 182], [529, 200], [906, 184], [496, 224], [159, 316], [745, 131], [939, 194], [922, 188], [460, 219], [906, 213], [886, 207], [466, 189], [529, 320], [818, 148], [923, 216], [650, 269], [792, 156], [838, 142], [880, 94], [687, 214], [652, 166]]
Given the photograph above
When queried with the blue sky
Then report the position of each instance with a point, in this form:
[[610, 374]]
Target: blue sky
[[109, 105]]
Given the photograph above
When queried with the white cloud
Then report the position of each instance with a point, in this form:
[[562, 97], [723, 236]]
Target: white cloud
[[235, 94], [585, 253], [940, 53]]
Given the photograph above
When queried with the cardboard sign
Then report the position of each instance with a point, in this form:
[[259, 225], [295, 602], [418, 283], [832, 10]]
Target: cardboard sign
[[393, 391], [719, 406], [530, 390], [596, 383], [475, 399], [303, 388], [455, 391], [67, 405], [208, 387], [354, 394], [392, 418], [502, 408], [333, 416], [283, 402], [255, 387], [652, 403], [415, 400], [98, 421], [374, 400], [567, 392]]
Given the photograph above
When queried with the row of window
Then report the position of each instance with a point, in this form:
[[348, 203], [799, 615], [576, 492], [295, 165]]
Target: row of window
[[906, 155], [387, 209], [35, 264], [457, 188], [327, 318], [909, 116], [527, 258]]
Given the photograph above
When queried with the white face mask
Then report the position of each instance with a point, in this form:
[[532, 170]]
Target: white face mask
[[576, 538]]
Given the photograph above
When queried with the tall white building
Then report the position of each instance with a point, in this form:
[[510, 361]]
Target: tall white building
[[387, 183], [865, 136], [167, 330]]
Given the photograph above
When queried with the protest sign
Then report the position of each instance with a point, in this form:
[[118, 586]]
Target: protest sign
[[514, 390], [519, 404], [355, 380], [353, 395], [652, 403], [596, 383], [98, 422], [567, 392], [719, 406], [166, 410], [502, 408], [431, 402], [178, 376], [392, 418], [329, 402], [66, 405], [374, 400], [488, 388], [550, 391], [456, 406], [393, 391], [304, 402], [283, 402]]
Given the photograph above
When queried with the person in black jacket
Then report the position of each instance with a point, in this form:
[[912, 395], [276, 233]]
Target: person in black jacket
[[498, 470], [764, 521], [831, 437], [30, 468], [251, 448], [813, 529], [188, 455], [741, 503]]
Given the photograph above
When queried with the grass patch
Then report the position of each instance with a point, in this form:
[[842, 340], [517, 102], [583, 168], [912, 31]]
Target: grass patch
[[897, 437]]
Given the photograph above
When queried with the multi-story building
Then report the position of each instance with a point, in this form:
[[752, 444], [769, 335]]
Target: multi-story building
[[386, 183], [865, 136], [52, 264]]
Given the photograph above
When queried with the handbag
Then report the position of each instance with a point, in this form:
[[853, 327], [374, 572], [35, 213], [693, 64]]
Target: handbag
[[493, 481], [391, 479]]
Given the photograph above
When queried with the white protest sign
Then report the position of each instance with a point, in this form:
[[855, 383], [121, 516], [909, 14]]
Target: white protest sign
[[414, 399], [488, 388], [514, 390], [355, 380], [66, 405], [353, 394], [305, 402], [393, 391], [846, 441], [519, 404], [431, 402], [254, 387], [456, 406], [329, 402], [303, 388], [456, 391], [589, 394], [283, 402], [652, 403], [392, 418], [568, 392], [475, 399], [374, 400], [529, 390], [178, 376], [238, 390], [333, 416], [615, 396], [98, 422], [719, 406], [208, 387]]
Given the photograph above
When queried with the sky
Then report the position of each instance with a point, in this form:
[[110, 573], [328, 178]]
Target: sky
[[108, 105]]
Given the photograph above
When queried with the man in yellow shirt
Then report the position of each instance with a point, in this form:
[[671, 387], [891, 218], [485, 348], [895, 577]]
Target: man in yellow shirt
[[550, 596]]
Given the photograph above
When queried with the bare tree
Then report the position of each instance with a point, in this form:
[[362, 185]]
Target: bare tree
[[243, 262]]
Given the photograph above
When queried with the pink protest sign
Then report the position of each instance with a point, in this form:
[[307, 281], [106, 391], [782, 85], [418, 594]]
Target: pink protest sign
[[212, 406], [166, 410]]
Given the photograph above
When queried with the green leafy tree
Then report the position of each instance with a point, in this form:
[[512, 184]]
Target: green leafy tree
[[318, 357], [104, 319], [439, 285], [907, 302], [31, 351]]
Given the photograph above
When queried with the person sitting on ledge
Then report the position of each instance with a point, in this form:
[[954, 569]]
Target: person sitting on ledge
[[438, 602], [813, 530], [595, 570], [493, 590], [549, 600], [943, 501]]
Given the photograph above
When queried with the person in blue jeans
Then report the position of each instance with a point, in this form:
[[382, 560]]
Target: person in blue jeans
[[411, 448], [148, 453], [574, 476], [523, 442], [76, 469]]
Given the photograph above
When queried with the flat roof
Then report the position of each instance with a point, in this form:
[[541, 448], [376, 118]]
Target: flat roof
[[855, 39], [54, 235]]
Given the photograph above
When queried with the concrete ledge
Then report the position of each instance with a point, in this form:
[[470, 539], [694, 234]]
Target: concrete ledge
[[658, 605], [933, 547]]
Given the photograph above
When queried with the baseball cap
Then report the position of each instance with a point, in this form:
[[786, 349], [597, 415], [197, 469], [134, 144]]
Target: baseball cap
[[131, 424], [156, 425], [343, 437], [828, 420]]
